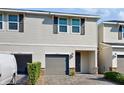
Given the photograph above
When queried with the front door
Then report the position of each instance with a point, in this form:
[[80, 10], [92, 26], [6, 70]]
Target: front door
[[77, 62]]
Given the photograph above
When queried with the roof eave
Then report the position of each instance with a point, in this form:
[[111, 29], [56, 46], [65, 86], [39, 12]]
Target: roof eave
[[113, 23], [49, 13], [74, 15], [21, 11]]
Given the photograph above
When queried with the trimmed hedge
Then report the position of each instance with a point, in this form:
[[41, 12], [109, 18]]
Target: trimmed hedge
[[114, 76], [34, 70]]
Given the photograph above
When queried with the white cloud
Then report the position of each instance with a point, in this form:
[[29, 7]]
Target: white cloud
[[121, 15]]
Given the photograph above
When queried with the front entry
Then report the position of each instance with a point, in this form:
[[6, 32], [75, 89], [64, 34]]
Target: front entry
[[77, 62]]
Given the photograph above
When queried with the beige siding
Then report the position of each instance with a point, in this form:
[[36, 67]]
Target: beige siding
[[105, 58], [85, 62], [110, 34], [93, 62], [38, 39], [88, 62], [100, 33], [38, 29], [40, 51]]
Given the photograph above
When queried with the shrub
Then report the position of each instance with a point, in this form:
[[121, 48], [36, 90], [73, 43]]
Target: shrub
[[72, 72], [34, 70], [111, 75], [120, 79], [114, 76]]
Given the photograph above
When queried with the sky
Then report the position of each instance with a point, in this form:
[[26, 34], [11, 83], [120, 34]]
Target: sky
[[104, 13]]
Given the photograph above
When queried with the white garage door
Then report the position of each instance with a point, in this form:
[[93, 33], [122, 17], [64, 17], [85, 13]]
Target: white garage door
[[120, 63]]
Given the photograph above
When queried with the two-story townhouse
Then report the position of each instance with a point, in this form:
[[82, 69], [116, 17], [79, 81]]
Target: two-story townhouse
[[111, 46], [60, 41]]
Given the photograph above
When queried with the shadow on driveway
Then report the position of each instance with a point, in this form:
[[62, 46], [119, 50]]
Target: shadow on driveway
[[21, 80], [103, 80]]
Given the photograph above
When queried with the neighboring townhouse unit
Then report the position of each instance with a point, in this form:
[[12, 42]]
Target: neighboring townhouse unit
[[111, 46], [60, 41]]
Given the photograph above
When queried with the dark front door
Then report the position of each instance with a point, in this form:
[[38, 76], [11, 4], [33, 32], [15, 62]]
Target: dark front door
[[57, 64], [77, 62], [22, 60]]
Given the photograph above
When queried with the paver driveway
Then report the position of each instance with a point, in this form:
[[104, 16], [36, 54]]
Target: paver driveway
[[79, 79]]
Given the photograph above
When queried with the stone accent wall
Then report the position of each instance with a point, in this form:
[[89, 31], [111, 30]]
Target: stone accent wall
[[112, 68]]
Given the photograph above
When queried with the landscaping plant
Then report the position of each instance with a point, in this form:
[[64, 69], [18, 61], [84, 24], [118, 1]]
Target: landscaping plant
[[114, 76], [34, 70], [72, 72]]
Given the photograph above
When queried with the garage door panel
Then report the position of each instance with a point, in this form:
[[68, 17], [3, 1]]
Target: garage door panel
[[120, 64], [22, 60], [56, 65]]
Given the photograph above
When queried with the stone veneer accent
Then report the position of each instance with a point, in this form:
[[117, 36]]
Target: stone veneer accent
[[113, 68]]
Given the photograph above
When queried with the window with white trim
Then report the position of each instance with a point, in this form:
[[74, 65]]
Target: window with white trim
[[13, 22], [76, 24], [62, 24], [1, 21]]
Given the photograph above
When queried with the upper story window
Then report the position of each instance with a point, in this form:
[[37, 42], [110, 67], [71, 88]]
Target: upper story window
[[76, 25], [62, 25], [1, 22], [122, 28], [13, 22]]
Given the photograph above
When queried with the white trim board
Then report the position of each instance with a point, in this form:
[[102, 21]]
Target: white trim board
[[116, 46], [67, 53], [118, 53], [12, 52], [49, 45]]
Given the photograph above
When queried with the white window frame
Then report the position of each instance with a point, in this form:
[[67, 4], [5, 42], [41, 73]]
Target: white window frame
[[10, 30], [62, 25], [2, 22], [76, 26]]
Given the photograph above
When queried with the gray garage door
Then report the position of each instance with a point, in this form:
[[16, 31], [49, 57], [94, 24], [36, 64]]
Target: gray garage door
[[120, 63], [22, 60], [57, 64]]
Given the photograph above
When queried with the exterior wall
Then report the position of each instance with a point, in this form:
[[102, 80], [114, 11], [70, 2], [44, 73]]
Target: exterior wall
[[38, 39], [89, 62], [100, 33], [116, 52], [110, 34], [105, 58], [93, 66], [38, 29], [85, 62], [39, 52]]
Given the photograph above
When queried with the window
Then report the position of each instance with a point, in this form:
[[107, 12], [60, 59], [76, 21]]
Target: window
[[1, 21], [122, 31], [76, 25], [62, 25], [13, 22]]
